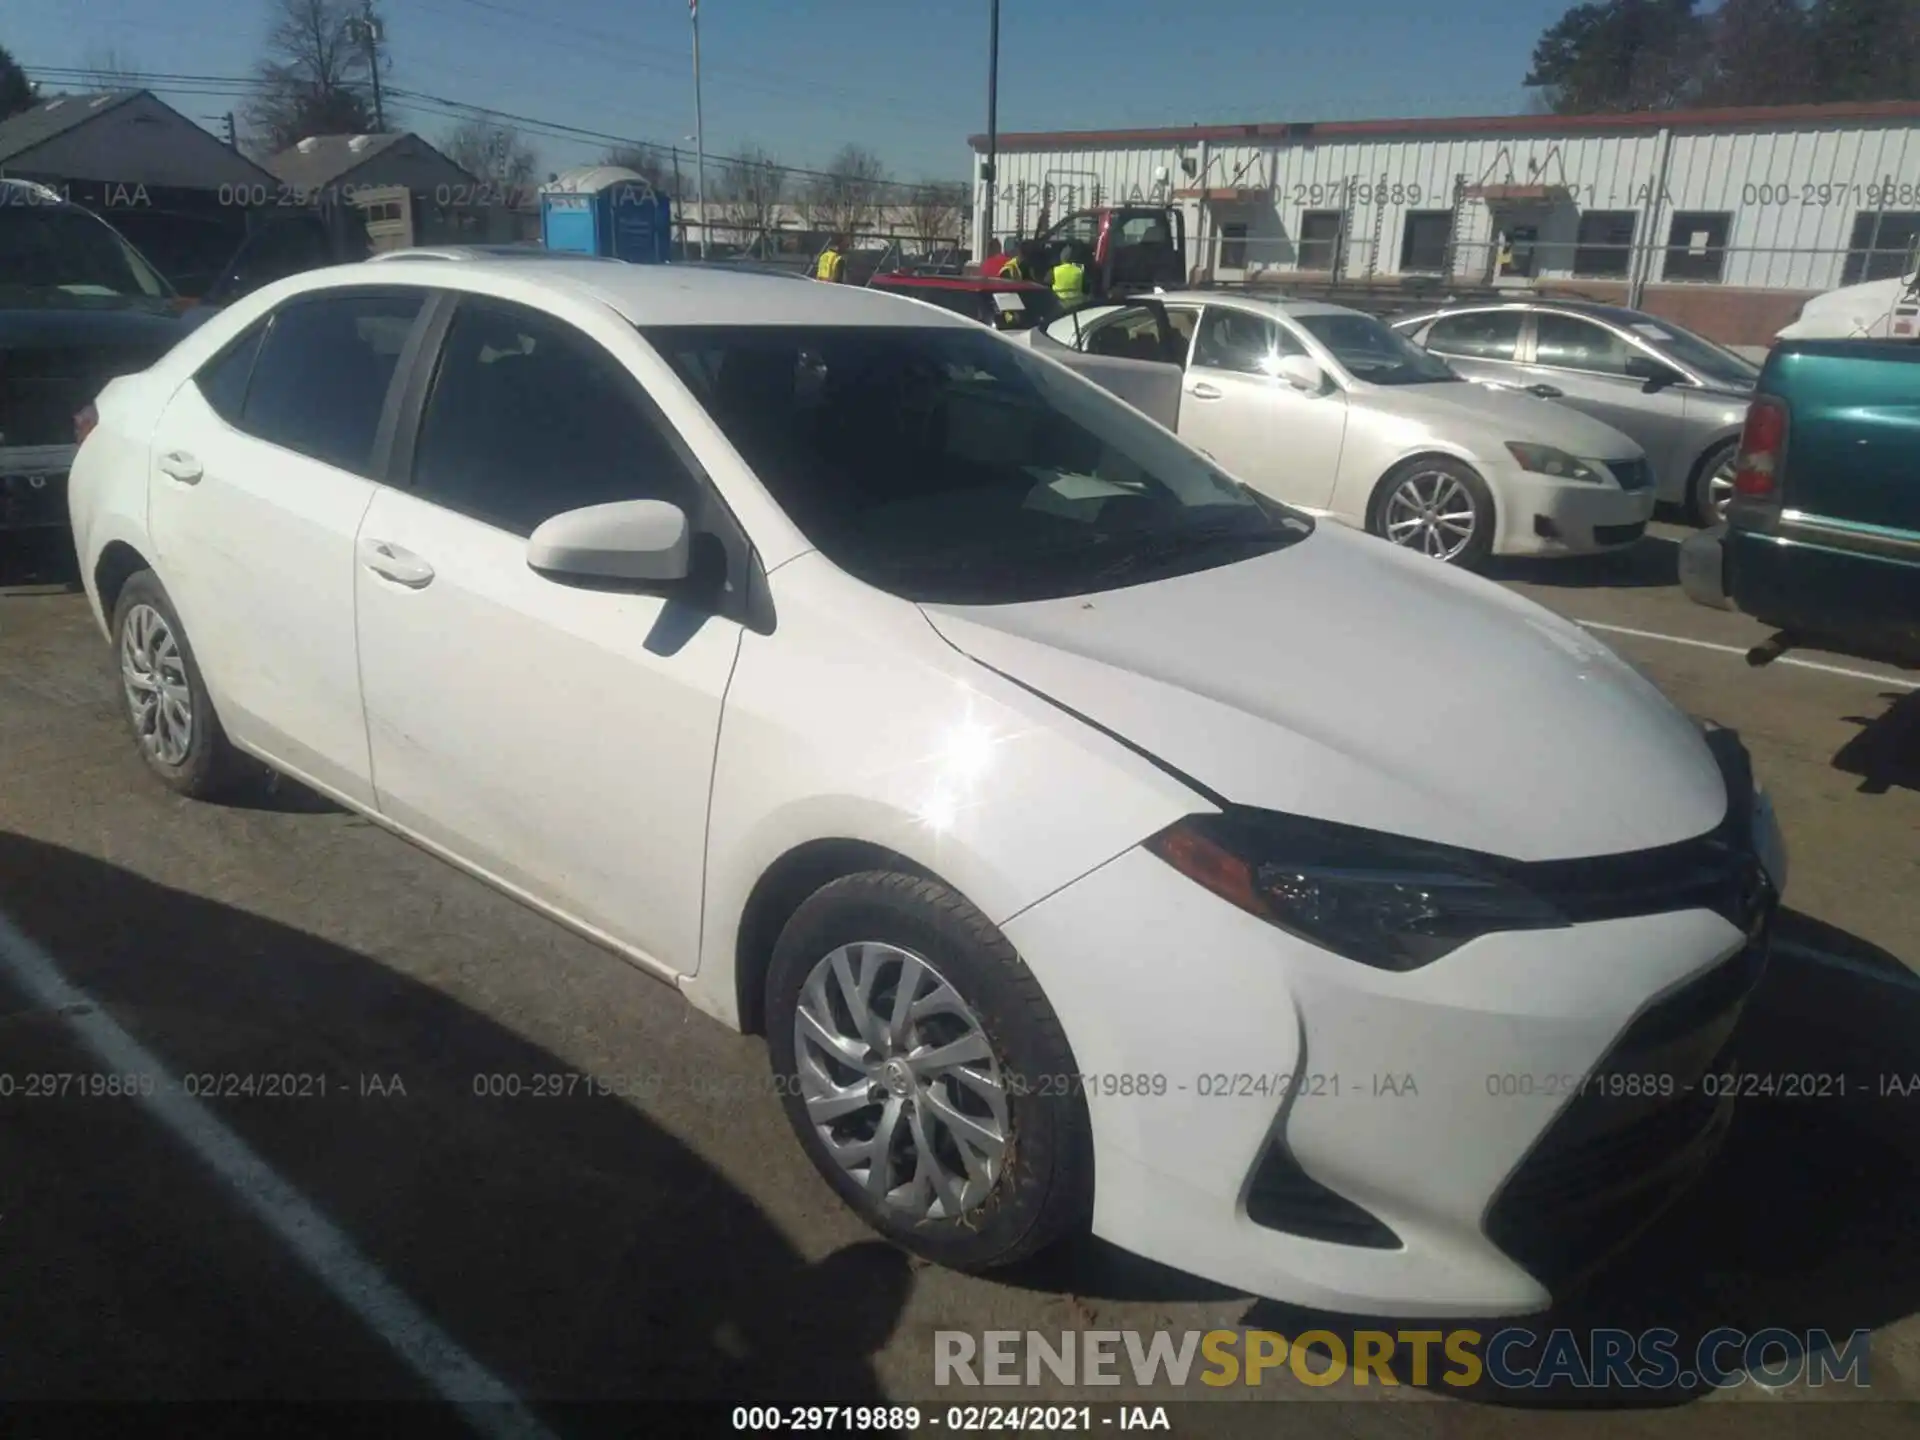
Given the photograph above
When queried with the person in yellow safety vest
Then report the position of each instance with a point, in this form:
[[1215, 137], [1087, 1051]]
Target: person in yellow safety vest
[[1070, 277], [1012, 269], [832, 262]]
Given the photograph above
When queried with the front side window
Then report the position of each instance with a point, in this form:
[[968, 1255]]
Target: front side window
[[321, 379], [528, 418], [1566, 342], [1477, 335], [1241, 342], [942, 465], [1372, 352], [1711, 362], [1137, 333]]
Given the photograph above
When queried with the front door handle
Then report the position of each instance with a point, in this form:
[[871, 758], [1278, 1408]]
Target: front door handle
[[1546, 392], [1201, 390], [181, 466], [390, 562]]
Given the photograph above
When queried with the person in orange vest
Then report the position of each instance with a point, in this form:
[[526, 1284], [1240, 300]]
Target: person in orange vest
[[833, 261]]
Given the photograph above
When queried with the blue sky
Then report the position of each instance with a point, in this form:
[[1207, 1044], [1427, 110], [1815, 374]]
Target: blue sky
[[904, 77]]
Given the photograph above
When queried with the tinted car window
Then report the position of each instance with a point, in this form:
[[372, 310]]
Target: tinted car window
[[1234, 340], [323, 372], [529, 418], [1483, 335], [1575, 344], [940, 464], [1136, 333], [223, 379], [1372, 352]]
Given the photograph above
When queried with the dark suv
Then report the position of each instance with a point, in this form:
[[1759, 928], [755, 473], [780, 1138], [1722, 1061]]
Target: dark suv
[[78, 306]]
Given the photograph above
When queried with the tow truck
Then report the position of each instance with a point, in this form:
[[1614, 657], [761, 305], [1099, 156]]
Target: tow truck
[[1134, 248]]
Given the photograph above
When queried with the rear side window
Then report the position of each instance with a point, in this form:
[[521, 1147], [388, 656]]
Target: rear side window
[[321, 379], [1482, 335], [223, 379], [530, 418]]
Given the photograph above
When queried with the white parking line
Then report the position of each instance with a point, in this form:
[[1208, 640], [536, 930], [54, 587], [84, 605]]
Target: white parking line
[[485, 1401], [1740, 650]]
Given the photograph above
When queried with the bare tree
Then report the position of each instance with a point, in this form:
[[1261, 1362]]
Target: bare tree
[[105, 71], [933, 211], [846, 197], [495, 155], [752, 185], [315, 77], [16, 91]]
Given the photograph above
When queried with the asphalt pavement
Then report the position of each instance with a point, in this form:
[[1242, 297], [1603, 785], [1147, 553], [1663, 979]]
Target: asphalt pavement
[[312, 1192]]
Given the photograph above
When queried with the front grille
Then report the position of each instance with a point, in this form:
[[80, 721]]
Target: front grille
[[1632, 474], [1614, 1160], [1285, 1197], [1619, 534]]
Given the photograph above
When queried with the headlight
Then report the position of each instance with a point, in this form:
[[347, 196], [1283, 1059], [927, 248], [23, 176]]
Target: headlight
[[1392, 903], [1545, 460]]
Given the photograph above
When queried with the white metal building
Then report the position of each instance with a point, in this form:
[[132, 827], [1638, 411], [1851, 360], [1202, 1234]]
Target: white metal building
[[1723, 219]]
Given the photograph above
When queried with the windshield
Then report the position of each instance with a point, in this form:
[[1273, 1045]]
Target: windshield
[[944, 464], [1697, 353], [1372, 352], [59, 252]]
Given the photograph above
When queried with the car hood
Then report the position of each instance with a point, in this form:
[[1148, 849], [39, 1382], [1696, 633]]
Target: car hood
[[1512, 415], [1349, 680], [61, 328]]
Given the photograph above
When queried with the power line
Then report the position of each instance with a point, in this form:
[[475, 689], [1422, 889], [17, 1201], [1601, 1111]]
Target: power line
[[228, 86]]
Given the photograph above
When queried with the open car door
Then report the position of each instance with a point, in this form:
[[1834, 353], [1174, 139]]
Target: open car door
[[1133, 350]]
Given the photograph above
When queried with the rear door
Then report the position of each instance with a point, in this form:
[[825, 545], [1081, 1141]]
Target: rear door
[[262, 466], [1483, 345]]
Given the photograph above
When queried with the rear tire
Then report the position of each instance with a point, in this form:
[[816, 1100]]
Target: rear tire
[[1005, 1124], [1435, 506], [1712, 485], [167, 706]]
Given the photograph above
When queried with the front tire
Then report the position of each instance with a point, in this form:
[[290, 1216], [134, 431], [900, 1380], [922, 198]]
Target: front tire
[[1436, 506], [167, 706], [925, 1074]]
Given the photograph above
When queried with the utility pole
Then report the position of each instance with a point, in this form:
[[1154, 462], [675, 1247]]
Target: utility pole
[[991, 175], [699, 130], [368, 30]]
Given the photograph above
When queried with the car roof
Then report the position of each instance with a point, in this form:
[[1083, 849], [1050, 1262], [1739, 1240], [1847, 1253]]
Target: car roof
[[653, 294], [1595, 309], [1268, 304], [484, 252]]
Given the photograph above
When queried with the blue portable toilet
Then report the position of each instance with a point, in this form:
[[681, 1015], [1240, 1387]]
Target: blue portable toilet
[[606, 210]]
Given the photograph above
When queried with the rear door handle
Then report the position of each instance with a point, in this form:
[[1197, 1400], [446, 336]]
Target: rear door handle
[[181, 466], [390, 562], [1201, 390]]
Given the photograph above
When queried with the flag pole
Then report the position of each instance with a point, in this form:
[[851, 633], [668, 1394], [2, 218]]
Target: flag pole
[[699, 129]]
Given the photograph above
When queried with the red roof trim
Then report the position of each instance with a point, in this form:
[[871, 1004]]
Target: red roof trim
[[1465, 125]]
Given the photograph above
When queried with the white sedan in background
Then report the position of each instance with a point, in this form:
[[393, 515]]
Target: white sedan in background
[[1330, 410], [1042, 793]]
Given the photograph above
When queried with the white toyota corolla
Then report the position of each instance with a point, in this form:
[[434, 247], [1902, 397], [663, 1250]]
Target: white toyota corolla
[[1096, 841]]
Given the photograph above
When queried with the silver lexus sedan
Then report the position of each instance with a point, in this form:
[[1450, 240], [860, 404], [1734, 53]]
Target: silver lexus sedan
[[1681, 396]]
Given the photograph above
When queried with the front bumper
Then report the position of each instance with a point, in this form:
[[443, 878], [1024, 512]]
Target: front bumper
[[33, 487], [1499, 1115], [1540, 515]]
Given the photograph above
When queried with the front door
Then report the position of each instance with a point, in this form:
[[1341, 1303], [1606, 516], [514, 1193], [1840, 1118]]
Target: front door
[[261, 470], [1482, 345], [559, 738], [1254, 424], [1589, 364]]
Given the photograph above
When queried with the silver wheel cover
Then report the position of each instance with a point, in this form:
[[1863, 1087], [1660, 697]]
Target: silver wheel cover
[[1430, 511], [900, 1083], [1720, 488], [155, 676]]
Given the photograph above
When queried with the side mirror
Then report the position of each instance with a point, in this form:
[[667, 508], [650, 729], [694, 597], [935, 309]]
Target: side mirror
[[1300, 372], [1657, 375], [646, 541]]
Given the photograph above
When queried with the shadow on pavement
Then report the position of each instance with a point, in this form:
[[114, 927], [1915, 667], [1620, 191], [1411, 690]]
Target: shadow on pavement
[[38, 558], [1805, 1221], [1651, 564], [1886, 752], [566, 1242]]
